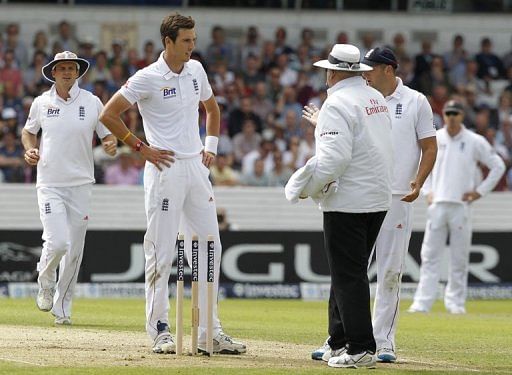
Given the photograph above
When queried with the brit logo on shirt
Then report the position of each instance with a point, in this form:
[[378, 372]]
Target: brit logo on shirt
[[81, 112], [168, 92], [52, 111], [196, 86], [398, 111]]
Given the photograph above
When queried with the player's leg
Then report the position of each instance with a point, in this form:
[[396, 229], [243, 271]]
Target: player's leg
[[52, 213], [434, 243], [391, 247], [201, 218], [77, 204], [460, 242], [164, 194]]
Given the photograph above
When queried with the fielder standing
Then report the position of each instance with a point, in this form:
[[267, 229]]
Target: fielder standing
[[176, 183], [68, 117], [451, 190], [350, 175]]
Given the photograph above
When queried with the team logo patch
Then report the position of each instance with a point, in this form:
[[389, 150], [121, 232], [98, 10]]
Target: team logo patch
[[47, 208], [398, 111], [168, 92], [375, 108], [329, 132], [196, 86], [81, 112], [165, 204], [52, 111]]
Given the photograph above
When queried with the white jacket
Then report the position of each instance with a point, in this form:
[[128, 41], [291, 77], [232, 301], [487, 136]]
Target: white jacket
[[354, 148]]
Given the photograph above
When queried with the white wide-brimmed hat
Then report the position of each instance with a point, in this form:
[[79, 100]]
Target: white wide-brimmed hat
[[344, 57], [83, 65]]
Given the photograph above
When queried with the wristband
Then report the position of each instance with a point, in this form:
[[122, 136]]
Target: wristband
[[210, 144], [126, 136], [138, 146]]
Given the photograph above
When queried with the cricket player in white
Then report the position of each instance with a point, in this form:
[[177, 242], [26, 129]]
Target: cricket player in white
[[178, 193], [451, 189], [414, 145], [67, 117]]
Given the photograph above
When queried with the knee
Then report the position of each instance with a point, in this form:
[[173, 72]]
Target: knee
[[57, 246]]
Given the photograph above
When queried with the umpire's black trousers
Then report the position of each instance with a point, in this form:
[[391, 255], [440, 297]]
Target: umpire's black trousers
[[349, 238]]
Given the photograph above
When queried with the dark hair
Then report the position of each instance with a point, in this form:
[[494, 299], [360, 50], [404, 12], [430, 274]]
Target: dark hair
[[172, 24]]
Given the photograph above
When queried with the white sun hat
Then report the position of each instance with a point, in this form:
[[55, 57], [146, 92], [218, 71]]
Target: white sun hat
[[83, 65], [344, 57]]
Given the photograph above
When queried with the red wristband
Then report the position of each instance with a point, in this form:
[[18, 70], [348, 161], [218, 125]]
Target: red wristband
[[138, 145]]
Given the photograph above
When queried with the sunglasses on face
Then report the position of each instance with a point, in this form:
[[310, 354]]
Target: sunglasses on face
[[451, 114]]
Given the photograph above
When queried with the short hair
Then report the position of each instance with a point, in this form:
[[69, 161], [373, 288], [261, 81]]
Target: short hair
[[172, 24]]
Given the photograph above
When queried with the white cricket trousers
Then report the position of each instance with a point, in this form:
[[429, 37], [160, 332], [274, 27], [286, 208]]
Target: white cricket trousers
[[390, 248], [64, 212], [178, 198], [453, 219]]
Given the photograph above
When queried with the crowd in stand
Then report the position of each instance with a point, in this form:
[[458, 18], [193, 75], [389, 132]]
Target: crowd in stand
[[261, 87]]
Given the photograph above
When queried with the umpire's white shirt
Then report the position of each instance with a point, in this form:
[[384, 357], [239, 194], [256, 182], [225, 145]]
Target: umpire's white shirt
[[412, 120], [456, 163], [168, 104], [353, 146], [67, 127]]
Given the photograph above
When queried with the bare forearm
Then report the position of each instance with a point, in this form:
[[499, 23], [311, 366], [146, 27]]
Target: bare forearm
[[28, 140], [213, 123], [428, 158]]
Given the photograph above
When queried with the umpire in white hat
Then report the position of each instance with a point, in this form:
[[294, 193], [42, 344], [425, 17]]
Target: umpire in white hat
[[350, 175]]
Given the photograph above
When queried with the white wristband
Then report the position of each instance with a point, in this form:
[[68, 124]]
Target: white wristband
[[210, 144]]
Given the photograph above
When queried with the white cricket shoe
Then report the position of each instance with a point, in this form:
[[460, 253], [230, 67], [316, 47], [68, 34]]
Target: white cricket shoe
[[457, 310], [318, 353], [164, 343], [44, 299], [223, 344], [386, 355], [417, 309], [63, 320], [364, 359], [333, 353]]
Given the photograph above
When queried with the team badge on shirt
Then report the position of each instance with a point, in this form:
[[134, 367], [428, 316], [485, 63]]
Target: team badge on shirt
[[52, 111], [168, 92], [81, 112], [398, 110], [196, 86]]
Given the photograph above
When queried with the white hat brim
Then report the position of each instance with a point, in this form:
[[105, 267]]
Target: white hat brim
[[327, 65], [82, 63]]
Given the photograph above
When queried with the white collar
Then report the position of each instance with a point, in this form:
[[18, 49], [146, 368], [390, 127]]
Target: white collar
[[167, 73], [73, 92]]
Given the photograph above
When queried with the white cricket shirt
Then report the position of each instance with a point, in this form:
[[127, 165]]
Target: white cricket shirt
[[353, 146], [412, 120], [456, 165], [68, 127], [169, 104]]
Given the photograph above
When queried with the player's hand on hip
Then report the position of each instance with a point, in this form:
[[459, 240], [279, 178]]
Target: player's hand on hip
[[32, 156], [208, 158], [160, 158], [110, 147], [413, 195], [310, 113], [471, 196]]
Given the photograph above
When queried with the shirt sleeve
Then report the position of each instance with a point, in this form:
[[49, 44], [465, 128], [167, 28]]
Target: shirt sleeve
[[136, 88], [206, 89], [101, 129], [487, 156], [425, 127], [334, 149], [33, 123]]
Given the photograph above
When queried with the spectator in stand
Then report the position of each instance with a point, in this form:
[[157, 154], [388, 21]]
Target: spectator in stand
[[252, 46], [243, 112], [221, 172], [149, 55], [438, 99], [10, 120], [455, 60], [301, 61], [257, 176], [100, 71], [264, 152], [400, 48], [11, 158], [219, 49], [33, 76], [261, 103], [503, 153], [40, 43], [288, 76], [280, 42], [367, 43], [292, 126], [275, 87], [469, 77], [116, 79], [246, 141], [252, 72], [436, 76], [99, 88], [222, 77], [132, 61], [509, 77], [268, 56], [489, 64], [66, 37], [123, 171], [304, 89], [288, 102], [11, 99], [11, 73], [13, 42], [341, 38], [423, 59], [87, 50], [405, 71], [307, 37], [280, 174], [117, 56]]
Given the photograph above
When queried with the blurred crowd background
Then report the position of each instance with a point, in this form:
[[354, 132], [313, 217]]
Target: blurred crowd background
[[261, 87]]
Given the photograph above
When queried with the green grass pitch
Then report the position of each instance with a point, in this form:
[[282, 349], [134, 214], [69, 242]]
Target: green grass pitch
[[107, 337]]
